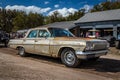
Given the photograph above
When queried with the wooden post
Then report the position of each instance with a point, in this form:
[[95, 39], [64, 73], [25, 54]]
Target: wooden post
[[115, 31]]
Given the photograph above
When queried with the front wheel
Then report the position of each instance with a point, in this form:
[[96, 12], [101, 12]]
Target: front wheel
[[21, 51], [69, 58]]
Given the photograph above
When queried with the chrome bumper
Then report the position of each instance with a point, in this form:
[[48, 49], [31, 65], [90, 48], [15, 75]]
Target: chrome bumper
[[90, 54]]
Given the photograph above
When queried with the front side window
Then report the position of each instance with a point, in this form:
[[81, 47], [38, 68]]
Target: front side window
[[32, 34], [43, 33]]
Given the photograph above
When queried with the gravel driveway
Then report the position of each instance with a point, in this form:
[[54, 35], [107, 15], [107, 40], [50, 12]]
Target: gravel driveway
[[34, 67]]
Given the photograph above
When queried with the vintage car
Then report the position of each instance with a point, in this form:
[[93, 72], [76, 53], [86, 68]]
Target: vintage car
[[60, 43]]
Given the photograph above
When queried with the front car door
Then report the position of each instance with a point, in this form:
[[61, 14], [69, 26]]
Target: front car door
[[42, 42]]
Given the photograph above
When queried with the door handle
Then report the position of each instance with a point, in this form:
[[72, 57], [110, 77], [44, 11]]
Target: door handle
[[36, 40]]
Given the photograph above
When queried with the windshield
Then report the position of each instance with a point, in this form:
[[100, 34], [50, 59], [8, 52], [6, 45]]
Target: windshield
[[58, 32]]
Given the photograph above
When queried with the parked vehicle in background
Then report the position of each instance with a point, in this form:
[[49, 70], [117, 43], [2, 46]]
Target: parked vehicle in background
[[57, 42], [117, 44], [22, 33], [4, 38], [110, 39], [18, 34]]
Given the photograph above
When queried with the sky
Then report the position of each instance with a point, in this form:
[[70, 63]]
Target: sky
[[47, 7]]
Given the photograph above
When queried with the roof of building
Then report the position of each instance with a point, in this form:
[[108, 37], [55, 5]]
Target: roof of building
[[65, 24], [100, 16]]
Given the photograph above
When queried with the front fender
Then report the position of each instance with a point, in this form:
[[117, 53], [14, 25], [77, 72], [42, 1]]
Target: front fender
[[57, 49]]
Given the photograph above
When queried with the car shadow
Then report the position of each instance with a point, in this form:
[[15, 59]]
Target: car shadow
[[2, 46], [101, 65]]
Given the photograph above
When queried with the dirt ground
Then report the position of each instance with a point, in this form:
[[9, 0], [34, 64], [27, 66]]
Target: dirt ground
[[113, 50], [36, 67]]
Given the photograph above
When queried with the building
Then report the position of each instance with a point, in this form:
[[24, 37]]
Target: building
[[106, 22]]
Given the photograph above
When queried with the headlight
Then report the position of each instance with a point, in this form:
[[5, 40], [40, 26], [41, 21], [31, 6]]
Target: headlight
[[89, 46]]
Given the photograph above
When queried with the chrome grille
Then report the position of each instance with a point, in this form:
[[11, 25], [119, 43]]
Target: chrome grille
[[97, 45]]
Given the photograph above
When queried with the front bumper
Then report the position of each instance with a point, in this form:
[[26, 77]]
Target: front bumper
[[90, 54]]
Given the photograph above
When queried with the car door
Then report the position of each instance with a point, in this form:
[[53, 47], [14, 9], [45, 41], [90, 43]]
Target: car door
[[29, 41], [42, 42]]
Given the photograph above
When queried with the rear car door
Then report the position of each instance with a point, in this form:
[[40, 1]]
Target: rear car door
[[42, 43], [29, 41]]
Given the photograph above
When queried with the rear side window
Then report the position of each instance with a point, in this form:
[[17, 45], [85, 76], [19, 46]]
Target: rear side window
[[32, 34]]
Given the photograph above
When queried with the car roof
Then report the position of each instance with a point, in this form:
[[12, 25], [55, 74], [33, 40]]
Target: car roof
[[44, 27]]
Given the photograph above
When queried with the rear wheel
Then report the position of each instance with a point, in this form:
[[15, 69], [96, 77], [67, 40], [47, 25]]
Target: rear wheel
[[21, 51], [69, 58]]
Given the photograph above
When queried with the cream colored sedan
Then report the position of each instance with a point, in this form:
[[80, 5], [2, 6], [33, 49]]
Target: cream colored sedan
[[57, 42]]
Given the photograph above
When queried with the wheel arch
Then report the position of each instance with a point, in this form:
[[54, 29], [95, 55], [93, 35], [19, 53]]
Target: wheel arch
[[18, 47], [62, 48]]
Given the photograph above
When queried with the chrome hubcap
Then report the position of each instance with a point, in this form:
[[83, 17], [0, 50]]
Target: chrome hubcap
[[69, 57], [21, 51]]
